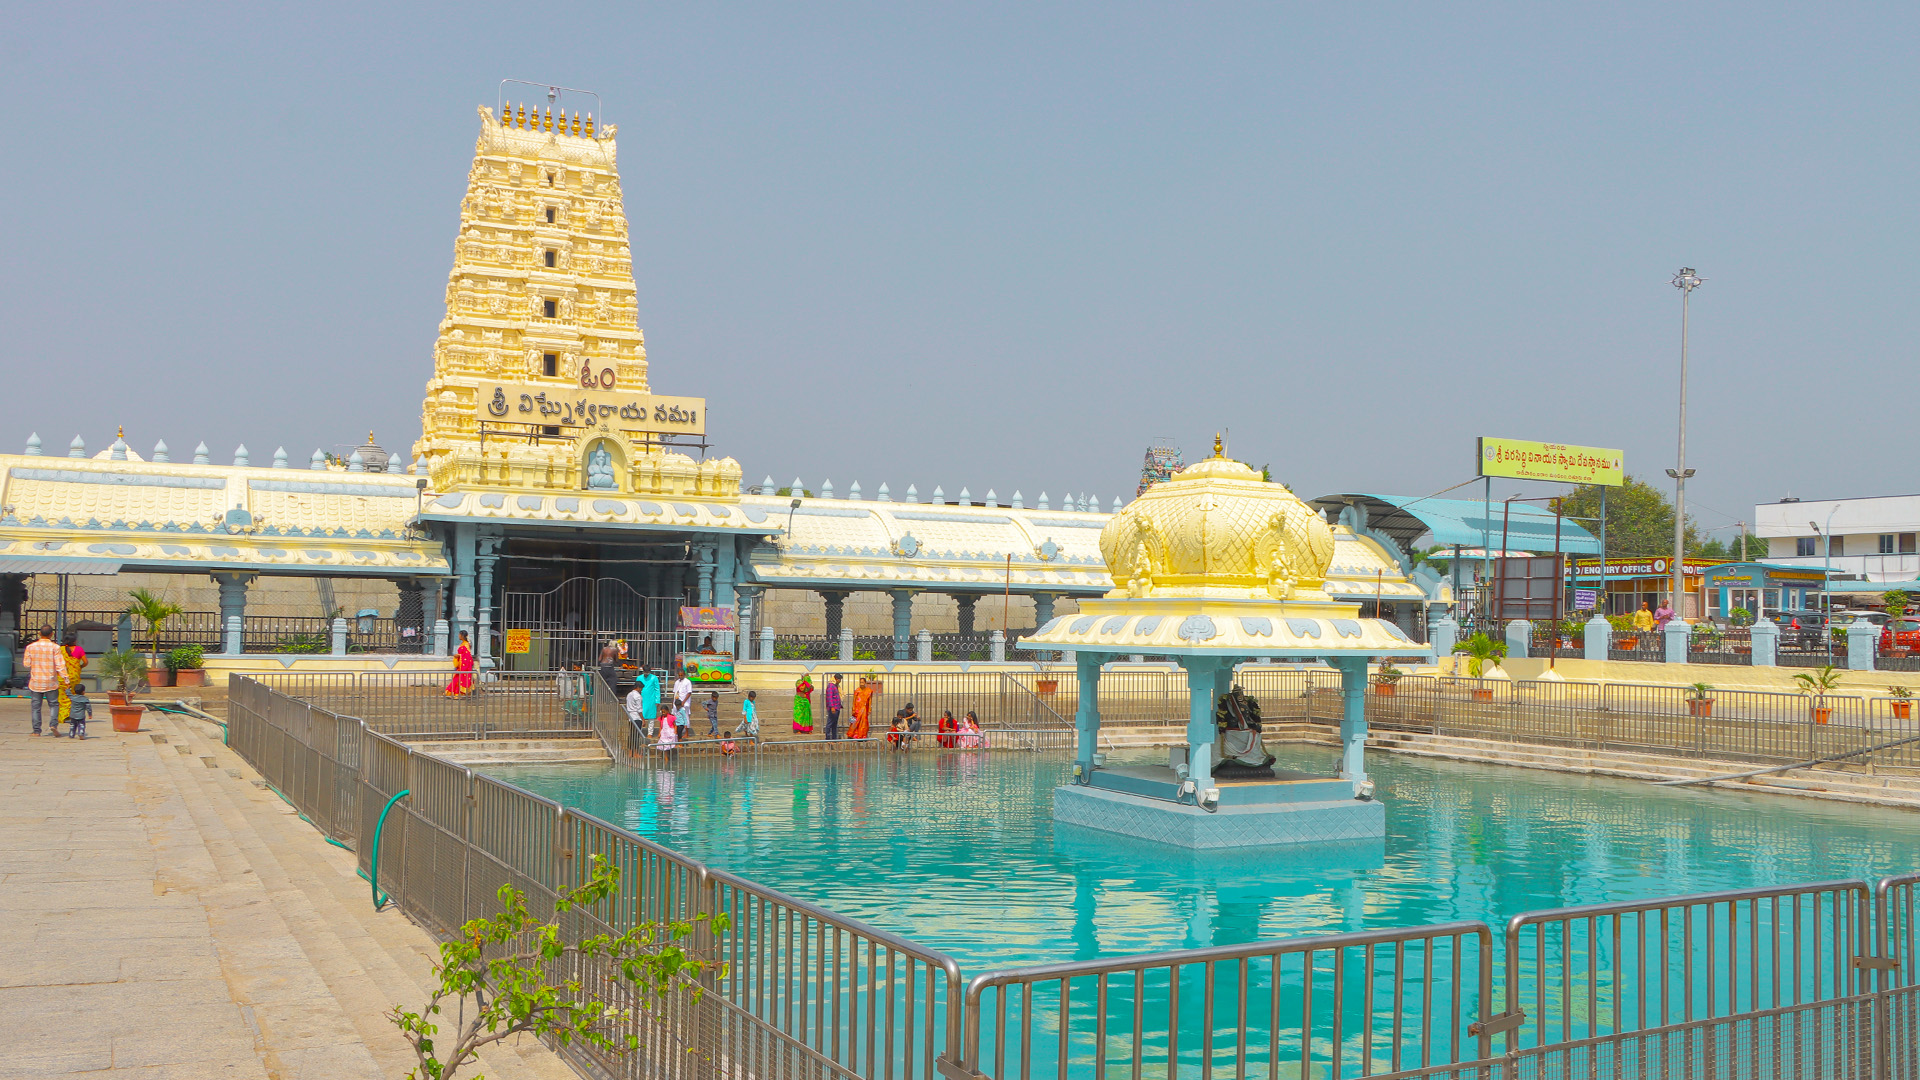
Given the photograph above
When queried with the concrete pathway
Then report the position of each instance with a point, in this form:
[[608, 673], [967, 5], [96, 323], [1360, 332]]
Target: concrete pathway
[[163, 915]]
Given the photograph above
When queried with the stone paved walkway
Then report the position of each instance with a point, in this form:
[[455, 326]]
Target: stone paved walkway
[[164, 916]]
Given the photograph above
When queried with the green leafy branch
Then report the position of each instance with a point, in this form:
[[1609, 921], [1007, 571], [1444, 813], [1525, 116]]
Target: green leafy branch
[[498, 975]]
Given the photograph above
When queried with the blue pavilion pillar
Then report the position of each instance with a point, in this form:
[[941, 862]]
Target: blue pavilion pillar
[[1203, 675], [1353, 717], [1086, 715]]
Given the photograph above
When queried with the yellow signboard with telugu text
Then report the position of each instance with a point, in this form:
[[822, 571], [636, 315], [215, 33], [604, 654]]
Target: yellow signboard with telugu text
[[558, 405], [519, 640], [1556, 462]]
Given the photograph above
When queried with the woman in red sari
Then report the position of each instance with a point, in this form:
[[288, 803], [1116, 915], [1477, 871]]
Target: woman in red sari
[[948, 726], [462, 683]]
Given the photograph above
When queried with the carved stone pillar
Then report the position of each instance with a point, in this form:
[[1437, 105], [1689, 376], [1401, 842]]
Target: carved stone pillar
[[965, 602], [233, 605], [902, 622], [483, 563], [836, 612]]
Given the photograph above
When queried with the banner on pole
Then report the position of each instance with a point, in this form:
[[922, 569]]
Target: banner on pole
[[1520, 459]]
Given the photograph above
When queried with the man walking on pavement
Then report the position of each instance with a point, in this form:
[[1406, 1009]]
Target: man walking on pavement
[[44, 664]]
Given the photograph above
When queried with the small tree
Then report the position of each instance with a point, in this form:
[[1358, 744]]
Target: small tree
[[1896, 602], [1740, 617], [1479, 649], [1699, 691], [1387, 674], [505, 964], [1817, 683], [126, 666], [154, 610]]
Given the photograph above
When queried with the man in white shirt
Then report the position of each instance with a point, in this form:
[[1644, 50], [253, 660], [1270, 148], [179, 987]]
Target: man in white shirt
[[683, 703]]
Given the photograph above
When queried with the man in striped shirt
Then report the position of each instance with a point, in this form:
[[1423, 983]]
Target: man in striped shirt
[[43, 684]]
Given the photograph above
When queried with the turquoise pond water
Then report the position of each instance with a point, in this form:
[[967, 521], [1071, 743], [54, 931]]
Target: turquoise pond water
[[959, 850]]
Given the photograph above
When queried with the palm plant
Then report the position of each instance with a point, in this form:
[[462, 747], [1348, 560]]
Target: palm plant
[[154, 610], [1817, 683], [126, 667], [1479, 649]]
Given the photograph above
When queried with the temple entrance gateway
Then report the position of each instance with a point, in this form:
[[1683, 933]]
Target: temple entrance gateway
[[568, 624]]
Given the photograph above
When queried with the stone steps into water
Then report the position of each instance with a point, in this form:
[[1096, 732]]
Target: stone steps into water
[[338, 965], [474, 753], [1897, 790]]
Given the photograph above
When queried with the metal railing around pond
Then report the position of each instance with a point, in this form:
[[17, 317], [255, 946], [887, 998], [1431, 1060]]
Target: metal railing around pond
[[1818, 980]]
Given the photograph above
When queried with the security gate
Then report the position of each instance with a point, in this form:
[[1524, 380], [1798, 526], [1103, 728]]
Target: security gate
[[570, 623]]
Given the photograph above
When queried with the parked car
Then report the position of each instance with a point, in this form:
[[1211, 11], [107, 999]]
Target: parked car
[[1902, 634]]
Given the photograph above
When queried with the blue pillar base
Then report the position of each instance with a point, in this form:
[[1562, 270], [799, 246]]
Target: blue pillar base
[[1232, 826]]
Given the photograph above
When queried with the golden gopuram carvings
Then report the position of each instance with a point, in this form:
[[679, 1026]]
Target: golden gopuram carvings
[[540, 370]]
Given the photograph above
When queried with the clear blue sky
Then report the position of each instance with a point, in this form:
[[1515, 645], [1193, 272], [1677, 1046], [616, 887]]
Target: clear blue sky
[[1005, 246]]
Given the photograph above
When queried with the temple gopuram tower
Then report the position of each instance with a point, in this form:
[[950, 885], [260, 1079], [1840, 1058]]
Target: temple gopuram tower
[[540, 370]]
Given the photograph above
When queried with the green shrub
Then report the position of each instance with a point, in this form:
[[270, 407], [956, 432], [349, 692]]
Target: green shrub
[[302, 643], [186, 656]]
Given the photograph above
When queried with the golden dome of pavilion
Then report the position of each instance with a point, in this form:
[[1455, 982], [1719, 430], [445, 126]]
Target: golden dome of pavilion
[[1217, 530]]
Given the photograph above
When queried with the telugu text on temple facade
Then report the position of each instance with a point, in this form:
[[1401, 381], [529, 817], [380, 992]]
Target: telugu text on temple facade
[[602, 410]]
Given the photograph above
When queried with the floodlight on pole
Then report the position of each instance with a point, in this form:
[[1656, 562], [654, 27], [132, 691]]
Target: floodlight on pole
[[1686, 281]]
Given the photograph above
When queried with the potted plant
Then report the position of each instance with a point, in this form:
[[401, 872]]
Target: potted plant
[[1816, 684], [184, 662], [1624, 635], [1384, 678], [155, 611], [1698, 703], [1902, 702], [127, 668], [1740, 617], [1480, 649]]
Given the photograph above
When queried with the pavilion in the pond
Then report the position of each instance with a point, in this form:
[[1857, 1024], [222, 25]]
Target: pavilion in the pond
[[1214, 568]]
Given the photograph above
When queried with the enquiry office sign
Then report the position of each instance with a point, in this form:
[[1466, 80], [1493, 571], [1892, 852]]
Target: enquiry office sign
[[1557, 462]]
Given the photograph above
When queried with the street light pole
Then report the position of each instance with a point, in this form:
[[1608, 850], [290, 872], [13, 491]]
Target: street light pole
[[1686, 281], [1826, 577]]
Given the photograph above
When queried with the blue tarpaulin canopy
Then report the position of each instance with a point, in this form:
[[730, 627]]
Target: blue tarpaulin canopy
[[1466, 522]]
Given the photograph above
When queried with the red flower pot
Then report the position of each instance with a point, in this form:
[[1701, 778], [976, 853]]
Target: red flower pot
[[126, 717]]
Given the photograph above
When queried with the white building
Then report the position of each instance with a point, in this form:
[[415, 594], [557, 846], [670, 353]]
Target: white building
[[1872, 541]]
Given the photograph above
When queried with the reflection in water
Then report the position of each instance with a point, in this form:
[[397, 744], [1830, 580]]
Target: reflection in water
[[960, 850]]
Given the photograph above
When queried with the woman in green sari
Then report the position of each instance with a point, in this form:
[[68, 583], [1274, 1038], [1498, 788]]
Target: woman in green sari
[[803, 706]]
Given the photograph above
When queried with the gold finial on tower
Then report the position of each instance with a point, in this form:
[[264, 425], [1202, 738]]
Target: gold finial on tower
[[369, 436], [547, 123], [576, 123], [1219, 448], [120, 432], [523, 115], [589, 125], [563, 121]]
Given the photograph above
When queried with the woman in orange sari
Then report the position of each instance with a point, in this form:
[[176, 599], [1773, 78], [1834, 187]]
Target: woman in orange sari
[[462, 682], [862, 709]]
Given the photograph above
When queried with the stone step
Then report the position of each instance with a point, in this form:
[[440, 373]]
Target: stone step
[[272, 952], [369, 961], [1884, 790], [597, 756]]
